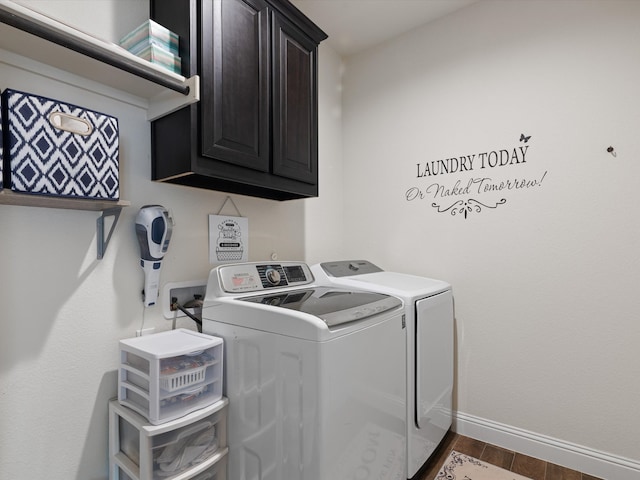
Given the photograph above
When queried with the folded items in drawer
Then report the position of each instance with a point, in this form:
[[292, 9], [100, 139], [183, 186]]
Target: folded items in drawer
[[56, 148], [192, 446]]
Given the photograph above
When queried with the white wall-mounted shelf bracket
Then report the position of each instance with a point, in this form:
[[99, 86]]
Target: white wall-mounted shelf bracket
[[169, 101]]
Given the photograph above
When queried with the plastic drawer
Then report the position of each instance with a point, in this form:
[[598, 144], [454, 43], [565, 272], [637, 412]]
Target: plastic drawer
[[193, 446], [170, 374]]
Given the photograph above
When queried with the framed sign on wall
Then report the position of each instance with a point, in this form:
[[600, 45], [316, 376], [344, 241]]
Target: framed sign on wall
[[228, 237]]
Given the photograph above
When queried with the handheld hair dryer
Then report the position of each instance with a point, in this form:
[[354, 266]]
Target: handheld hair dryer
[[153, 228]]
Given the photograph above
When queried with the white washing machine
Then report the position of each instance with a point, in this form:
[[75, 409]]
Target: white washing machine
[[429, 349], [315, 375]]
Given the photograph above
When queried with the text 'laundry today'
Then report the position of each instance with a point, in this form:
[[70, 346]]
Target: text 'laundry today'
[[467, 163]]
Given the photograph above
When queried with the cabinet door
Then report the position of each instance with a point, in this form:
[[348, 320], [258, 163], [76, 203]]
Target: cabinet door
[[295, 120], [235, 82]]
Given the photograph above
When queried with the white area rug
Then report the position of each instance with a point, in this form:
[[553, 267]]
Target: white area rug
[[463, 467]]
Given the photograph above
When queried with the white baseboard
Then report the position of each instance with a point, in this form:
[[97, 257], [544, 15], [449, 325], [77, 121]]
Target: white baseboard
[[560, 452]]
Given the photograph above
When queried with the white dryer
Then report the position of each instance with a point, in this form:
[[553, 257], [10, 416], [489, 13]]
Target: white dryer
[[429, 349], [315, 375]]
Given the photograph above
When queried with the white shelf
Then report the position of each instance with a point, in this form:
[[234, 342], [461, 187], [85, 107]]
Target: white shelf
[[33, 35]]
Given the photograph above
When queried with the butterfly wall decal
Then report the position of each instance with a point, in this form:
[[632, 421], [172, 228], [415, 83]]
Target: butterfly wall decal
[[523, 138]]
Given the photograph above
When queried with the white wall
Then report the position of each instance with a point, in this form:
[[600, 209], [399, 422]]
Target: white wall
[[546, 283], [116, 17], [63, 311], [324, 215]]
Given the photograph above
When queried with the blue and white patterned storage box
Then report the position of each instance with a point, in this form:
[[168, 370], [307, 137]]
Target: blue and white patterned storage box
[[55, 148]]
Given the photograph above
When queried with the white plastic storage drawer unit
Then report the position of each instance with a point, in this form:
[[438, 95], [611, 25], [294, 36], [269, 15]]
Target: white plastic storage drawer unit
[[169, 374], [192, 447]]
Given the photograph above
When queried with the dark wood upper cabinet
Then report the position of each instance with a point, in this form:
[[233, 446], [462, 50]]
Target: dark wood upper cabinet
[[295, 124], [255, 129]]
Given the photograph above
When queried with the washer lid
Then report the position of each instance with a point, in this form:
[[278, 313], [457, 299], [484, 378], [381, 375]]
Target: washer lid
[[333, 305]]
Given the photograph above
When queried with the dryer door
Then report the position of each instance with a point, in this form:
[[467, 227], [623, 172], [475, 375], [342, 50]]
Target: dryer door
[[434, 364]]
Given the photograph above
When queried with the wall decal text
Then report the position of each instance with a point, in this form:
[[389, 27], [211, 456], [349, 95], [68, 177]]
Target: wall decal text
[[466, 163], [439, 188]]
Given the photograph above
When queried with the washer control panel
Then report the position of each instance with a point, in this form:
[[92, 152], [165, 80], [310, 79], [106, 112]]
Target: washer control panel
[[255, 277]]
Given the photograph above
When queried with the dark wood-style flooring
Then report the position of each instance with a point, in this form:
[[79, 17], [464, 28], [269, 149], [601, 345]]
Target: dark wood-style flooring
[[513, 461]]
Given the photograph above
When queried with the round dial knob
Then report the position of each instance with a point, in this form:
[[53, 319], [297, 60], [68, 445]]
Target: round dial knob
[[273, 276]]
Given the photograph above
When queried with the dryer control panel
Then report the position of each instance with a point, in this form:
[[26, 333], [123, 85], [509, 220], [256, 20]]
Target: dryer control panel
[[255, 277], [349, 268]]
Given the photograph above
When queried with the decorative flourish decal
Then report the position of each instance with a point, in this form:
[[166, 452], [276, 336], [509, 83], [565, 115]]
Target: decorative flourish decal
[[465, 207]]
